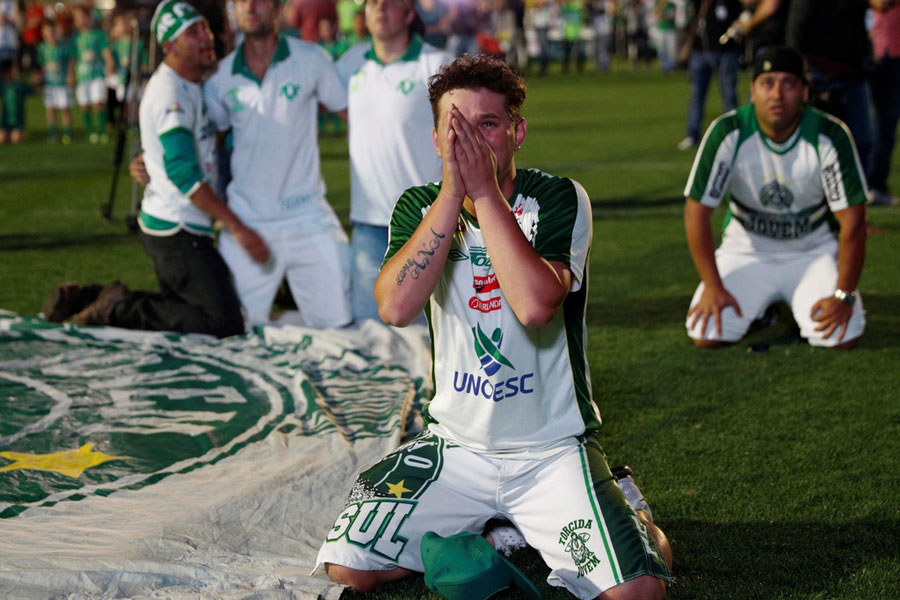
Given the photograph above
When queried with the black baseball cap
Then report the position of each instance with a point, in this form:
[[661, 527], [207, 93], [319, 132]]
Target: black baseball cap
[[779, 58]]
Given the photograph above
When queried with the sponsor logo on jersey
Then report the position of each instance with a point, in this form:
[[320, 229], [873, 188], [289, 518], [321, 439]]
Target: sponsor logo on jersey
[[476, 385], [175, 107], [406, 86], [485, 285], [778, 227], [776, 194], [487, 348], [574, 538], [457, 255], [289, 90], [485, 306], [479, 256], [718, 182]]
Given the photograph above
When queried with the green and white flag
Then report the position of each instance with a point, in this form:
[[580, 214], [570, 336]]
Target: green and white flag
[[136, 464]]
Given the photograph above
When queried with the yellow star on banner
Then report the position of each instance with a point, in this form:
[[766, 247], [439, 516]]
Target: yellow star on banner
[[71, 463], [397, 489]]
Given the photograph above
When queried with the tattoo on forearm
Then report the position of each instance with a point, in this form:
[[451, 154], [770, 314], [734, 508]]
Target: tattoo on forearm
[[417, 264]]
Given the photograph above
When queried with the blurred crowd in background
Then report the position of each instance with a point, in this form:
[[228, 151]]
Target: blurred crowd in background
[[851, 46]]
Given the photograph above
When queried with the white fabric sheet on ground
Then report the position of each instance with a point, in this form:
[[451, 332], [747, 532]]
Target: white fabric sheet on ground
[[151, 465]]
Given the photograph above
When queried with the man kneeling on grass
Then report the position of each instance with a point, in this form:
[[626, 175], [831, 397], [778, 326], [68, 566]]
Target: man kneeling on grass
[[196, 293], [498, 259], [792, 176]]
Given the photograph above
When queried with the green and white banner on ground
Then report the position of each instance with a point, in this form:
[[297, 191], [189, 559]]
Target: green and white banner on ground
[[148, 465]]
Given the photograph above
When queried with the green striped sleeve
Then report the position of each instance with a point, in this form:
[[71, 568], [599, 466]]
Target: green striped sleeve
[[557, 216], [854, 187], [702, 172], [180, 159], [407, 214]]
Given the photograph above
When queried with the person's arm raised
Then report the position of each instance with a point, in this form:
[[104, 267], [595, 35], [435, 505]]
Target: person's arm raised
[[407, 280], [534, 287]]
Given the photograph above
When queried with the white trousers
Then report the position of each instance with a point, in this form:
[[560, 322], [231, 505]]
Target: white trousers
[[315, 261], [758, 280]]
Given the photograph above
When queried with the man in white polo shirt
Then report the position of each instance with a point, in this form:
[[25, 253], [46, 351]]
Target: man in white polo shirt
[[389, 133], [196, 294], [268, 91]]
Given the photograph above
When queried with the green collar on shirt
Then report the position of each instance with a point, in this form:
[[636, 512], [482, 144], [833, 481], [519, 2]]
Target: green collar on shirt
[[240, 63], [791, 141], [411, 54]]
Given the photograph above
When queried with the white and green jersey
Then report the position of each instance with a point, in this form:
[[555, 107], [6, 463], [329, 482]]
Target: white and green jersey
[[55, 60], [499, 386], [389, 126], [89, 47], [172, 115], [275, 164], [781, 195]]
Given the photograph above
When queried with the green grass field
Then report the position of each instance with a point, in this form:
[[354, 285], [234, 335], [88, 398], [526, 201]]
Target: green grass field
[[775, 474]]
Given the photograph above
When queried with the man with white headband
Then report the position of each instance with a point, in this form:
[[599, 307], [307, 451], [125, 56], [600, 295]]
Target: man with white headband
[[196, 293], [267, 92]]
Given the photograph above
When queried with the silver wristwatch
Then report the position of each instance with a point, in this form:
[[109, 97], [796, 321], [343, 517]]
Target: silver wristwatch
[[846, 297]]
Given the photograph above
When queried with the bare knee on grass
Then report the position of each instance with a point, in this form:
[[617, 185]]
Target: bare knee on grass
[[710, 343], [659, 537], [363, 581], [645, 587], [846, 345]]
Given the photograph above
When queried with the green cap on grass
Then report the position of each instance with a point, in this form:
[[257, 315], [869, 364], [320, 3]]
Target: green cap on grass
[[464, 566]]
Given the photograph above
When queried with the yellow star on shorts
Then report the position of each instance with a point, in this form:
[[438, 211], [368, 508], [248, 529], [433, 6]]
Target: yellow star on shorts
[[397, 489], [71, 463]]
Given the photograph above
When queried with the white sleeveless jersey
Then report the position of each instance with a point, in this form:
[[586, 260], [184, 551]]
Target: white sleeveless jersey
[[499, 386], [781, 195], [171, 102]]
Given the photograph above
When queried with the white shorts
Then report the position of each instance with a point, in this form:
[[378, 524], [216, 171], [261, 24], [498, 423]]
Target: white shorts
[[315, 262], [57, 96], [567, 506], [758, 280], [91, 92]]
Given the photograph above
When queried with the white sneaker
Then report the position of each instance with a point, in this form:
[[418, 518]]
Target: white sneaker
[[687, 143], [506, 538]]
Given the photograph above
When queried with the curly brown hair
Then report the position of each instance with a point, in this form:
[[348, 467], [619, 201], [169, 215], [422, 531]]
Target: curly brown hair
[[475, 72]]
